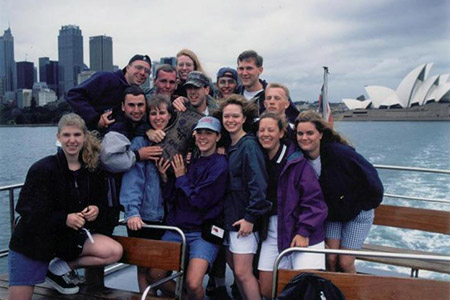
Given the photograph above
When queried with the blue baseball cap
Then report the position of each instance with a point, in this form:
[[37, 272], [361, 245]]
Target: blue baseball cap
[[210, 123], [227, 72]]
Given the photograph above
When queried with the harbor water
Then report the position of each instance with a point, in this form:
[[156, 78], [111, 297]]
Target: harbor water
[[414, 144]]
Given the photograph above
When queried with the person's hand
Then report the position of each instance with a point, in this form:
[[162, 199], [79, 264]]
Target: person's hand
[[150, 152], [104, 122], [90, 213], [180, 103], [221, 150], [188, 157], [178, 165], [155, 135], [245, 227], [75, 221], [162, 165], [135, 223], [300, 241]]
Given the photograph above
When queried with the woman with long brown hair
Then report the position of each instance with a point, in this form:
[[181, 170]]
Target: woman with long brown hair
[[350, 184]]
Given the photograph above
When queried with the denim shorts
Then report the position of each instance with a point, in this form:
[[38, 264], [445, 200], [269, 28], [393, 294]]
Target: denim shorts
[[24, 270], [351, 233], [196, 246]]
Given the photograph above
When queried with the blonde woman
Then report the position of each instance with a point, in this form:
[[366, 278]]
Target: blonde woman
[[60, 206]]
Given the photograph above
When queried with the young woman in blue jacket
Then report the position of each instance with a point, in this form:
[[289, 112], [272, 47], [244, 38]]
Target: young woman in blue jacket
[[298, 209], [245, 200], [194, 199], [61, 207], [350, 184], [141, 194]]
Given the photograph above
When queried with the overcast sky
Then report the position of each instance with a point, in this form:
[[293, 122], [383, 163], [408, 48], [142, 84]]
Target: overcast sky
[[362, 42]]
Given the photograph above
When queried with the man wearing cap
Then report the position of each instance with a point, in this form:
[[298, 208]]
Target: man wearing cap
[[227, 79], [165, 81], [98, 99], [197, 90], [250, 67]]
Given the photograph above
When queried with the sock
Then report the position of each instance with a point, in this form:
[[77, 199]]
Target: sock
[[58, 267], [220, 281]]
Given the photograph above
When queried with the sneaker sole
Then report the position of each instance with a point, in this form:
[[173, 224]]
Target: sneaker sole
[[67, 291]]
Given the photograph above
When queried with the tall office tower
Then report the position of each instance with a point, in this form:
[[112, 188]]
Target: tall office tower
[[7, 63], [169, 60], [49, 73], [25, 73], [100, 53], [70, 56], [43, 62]]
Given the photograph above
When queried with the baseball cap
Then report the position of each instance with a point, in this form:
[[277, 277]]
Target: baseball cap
[[227, 72], [198, 79], [210, 123], [145, 58]]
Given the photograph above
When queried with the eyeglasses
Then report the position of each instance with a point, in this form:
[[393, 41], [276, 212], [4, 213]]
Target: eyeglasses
[[187, 64], [227, 81], [140, 68]]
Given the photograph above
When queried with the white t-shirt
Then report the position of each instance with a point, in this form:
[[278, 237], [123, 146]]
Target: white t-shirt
[[249, 95], [316, 165]]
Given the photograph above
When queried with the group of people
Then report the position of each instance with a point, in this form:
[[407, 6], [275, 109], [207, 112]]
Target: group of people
[[236, 156]]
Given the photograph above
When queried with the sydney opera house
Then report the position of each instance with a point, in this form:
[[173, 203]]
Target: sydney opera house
[[417, 92]]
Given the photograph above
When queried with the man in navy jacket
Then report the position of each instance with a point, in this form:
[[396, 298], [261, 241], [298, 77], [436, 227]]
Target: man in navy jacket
[[98, 99]]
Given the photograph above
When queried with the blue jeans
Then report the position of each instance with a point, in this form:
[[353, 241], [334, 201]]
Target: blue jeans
[[196, 246], [24, 270]]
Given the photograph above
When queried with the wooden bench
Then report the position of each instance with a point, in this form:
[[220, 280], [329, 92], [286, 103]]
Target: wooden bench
[[158, 255], [370, 287], [410, 218], [367, 287]]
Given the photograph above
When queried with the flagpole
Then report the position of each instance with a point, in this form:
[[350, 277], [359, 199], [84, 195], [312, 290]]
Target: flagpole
[[325, 111]]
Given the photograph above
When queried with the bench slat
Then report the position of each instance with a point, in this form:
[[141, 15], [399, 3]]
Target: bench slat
[[413, 218], [150, 253], [359, 286]]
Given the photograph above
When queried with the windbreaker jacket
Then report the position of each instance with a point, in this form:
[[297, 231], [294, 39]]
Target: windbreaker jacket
[[103, 91], [247, 183], [349, 182], [140, 193], [47, 197], [197, 197], [301, 207]]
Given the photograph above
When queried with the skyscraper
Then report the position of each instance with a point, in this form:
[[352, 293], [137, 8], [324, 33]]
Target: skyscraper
[[70, 56], [7, 63], [49, 73], [25, 71], [43, 62], [100, 53]]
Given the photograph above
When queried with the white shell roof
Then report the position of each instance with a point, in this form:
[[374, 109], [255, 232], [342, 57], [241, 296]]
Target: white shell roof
[[356, 104], [415, 89], [378, 94]]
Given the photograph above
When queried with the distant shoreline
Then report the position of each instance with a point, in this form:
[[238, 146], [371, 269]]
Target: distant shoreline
[[29, 125]]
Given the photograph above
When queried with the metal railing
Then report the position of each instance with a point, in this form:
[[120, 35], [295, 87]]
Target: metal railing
[[424, 257], [414, 169]]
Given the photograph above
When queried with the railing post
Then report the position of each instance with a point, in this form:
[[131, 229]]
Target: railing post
[[11, 209]]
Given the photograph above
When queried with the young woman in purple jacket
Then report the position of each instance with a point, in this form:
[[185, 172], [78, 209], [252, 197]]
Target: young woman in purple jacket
[[194, 199], [298, 207]]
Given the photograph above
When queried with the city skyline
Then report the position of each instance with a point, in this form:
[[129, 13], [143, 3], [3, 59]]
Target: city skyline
[[362, 43]]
